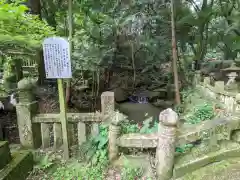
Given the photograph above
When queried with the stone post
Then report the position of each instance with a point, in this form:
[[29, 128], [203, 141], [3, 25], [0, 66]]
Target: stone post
[[167, 136], [113, 135], [237, 103], [107, 102], [29, 133], [219, 85], [206, 81], [211, 75], [197, 78]]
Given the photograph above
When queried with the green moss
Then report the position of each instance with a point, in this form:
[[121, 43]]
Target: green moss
[[197, 159], [5, 156], [19, 167], [212, 170]]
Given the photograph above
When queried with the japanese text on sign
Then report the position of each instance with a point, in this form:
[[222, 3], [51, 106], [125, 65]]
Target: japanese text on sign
[[56, 54]]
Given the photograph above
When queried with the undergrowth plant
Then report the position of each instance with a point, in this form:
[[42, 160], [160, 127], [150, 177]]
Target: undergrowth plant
[[94, 152], [147, 127], [201, 113], [185, 148], [129, 172], [196, 107], [94, 162], [44, 163], [95, 156]]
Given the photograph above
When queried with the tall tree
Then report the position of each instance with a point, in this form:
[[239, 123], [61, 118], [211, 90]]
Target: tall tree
[[35, 8], [174, 55], [70, 34]]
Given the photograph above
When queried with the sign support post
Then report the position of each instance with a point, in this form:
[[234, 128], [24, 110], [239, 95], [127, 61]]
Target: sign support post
[[57, 62], [63, 118]]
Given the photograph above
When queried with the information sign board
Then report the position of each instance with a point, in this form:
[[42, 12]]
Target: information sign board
[[56, 52]]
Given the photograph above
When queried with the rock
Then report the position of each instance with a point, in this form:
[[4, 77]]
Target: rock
[[138, 112], [163, 103], [156, 86], [158, 93], [120, 94], [152, 95]]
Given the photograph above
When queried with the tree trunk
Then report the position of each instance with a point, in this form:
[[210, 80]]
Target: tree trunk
[[41, 68], [35, 8], [174, 54], [70, 34]]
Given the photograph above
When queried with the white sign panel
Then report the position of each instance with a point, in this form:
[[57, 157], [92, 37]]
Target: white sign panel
[[57, 60]]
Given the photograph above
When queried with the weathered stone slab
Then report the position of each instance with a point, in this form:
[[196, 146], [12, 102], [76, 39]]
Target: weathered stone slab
[[57, 132], [188, 133], [81, 133], [220, 127], [223, 170], [193, 161], [219, 91], [19, 167], [138, 140], [72, 117], [5, 156]]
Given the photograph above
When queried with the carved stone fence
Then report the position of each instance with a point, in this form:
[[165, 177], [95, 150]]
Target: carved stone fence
[[35, 129], [170, 136], [220, 92], [29, 67], [164, 142]]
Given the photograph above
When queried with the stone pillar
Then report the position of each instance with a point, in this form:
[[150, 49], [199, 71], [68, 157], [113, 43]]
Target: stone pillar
[[219, 85], [197, 78], [107, 102], [107, 106], [29, 133], [211, 75], [167, 136], [206, 81], [237, 103], [113, 135]]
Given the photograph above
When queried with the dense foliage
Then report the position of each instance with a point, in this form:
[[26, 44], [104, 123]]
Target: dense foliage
[[130, 39], [20, 31], [134, 36], [21, 36]]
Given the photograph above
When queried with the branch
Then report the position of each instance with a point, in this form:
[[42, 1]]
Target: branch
[[195, 6]]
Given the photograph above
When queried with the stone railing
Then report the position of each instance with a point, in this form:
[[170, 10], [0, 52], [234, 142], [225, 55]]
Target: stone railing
[[170, 136], [219, 91], [164, 142], [29, 67], [35, 129]]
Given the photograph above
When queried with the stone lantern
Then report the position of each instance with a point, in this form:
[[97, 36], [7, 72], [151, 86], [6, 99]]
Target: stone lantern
[[232, 74]]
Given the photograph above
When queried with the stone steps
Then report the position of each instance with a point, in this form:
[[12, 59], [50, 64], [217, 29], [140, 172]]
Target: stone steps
[[5, 155], [16, 165], [198, 158]]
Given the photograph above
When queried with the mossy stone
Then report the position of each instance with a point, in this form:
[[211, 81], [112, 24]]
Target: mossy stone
[[19, 167], [5, 156]]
